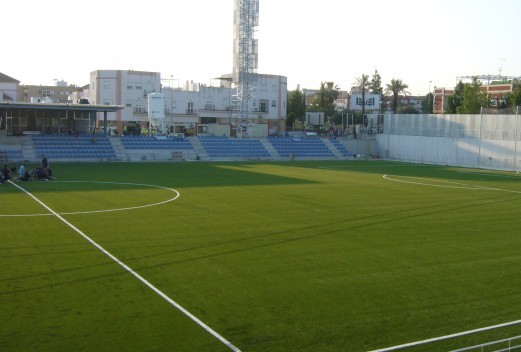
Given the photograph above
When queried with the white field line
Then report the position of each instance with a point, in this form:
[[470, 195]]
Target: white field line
[[135, 274], [486, 174], [448, 184], [435, 339], [107, 210]]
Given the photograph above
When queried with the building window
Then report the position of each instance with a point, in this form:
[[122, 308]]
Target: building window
[[139, 87], [263, 106], [46, 93], [208, 120], [273, 103], [138, 109], [129, 87], [190, 108]]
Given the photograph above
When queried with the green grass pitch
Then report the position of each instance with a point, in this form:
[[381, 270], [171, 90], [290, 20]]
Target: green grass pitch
[[289, 256]]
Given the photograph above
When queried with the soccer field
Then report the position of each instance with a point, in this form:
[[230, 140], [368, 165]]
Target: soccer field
[[283, 256]]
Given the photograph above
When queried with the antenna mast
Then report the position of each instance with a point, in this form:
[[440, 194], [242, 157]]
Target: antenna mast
[[501, 66]]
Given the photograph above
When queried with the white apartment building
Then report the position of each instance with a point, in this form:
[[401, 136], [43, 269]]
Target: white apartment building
[[186, 107], [127, 88]]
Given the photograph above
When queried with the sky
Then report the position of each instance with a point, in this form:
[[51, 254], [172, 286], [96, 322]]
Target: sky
[[426, 44]]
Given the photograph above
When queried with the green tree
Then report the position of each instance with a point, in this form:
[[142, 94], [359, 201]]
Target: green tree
[[395, 88], [513, 99], [516, 96], [325, 99], [362, 83], [407, 109], [455, 99], [296, 106], [473, 98], [290, 120], [428, 104], [375, 86]]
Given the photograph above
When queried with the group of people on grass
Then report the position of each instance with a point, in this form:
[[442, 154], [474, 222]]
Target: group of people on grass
[[42, 173]]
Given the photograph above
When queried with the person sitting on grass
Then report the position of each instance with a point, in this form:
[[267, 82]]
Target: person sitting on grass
[[6, 174], [23, 175], [21, 171]]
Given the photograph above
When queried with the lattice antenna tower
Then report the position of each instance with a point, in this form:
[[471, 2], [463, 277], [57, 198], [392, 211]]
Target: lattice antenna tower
[[246, 20]]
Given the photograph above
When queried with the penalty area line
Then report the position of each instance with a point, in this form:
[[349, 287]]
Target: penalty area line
[[132, 272], [446, 337]]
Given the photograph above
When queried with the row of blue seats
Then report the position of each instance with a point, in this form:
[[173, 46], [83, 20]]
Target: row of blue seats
[[11, 155], [239, 155], [69, 139], [297, 143], [74, 147], [69, 151], [341, 148], [204, 139], [148, 146], [308, 155], [291, 150], [84, 142], [173, 144], [82, 156], [247, 147]]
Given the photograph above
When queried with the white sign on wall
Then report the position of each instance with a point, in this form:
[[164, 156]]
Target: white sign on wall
[[372, 101]]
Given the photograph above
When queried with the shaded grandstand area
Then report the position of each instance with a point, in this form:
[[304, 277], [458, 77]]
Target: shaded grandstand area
[[13, 155], [74, 147], [100, 147]]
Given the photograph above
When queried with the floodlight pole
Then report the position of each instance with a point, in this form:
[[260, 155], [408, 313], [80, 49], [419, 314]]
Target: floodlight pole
[[247, 13]]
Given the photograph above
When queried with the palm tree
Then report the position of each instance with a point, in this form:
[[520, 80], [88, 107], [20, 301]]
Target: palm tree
[[362, 83], [395, 88]]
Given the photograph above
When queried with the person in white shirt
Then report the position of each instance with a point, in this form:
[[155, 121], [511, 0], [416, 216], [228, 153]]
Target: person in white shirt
[[21, 171]]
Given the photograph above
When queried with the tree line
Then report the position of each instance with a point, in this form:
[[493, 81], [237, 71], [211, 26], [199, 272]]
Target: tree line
[[324, 100], [468, 98]]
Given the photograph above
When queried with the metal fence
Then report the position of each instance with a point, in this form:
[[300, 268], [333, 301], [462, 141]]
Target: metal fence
[[484, 140]]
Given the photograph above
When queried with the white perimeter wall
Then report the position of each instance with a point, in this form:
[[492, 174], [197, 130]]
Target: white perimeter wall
[[486, 141]]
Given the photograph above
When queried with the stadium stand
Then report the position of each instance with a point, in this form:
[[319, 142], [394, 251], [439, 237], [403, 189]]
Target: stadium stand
[[160, 142], [73, 147], [301, 147], [340, 147], [9, 155], [224, 147]]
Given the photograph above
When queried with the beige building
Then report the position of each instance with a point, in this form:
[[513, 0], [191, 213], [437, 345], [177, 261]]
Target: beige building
[[9, 88], [495, 92], [59, 93]]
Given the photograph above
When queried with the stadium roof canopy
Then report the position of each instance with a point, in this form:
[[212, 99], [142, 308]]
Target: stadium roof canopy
[[59, 106], [20, 117]]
